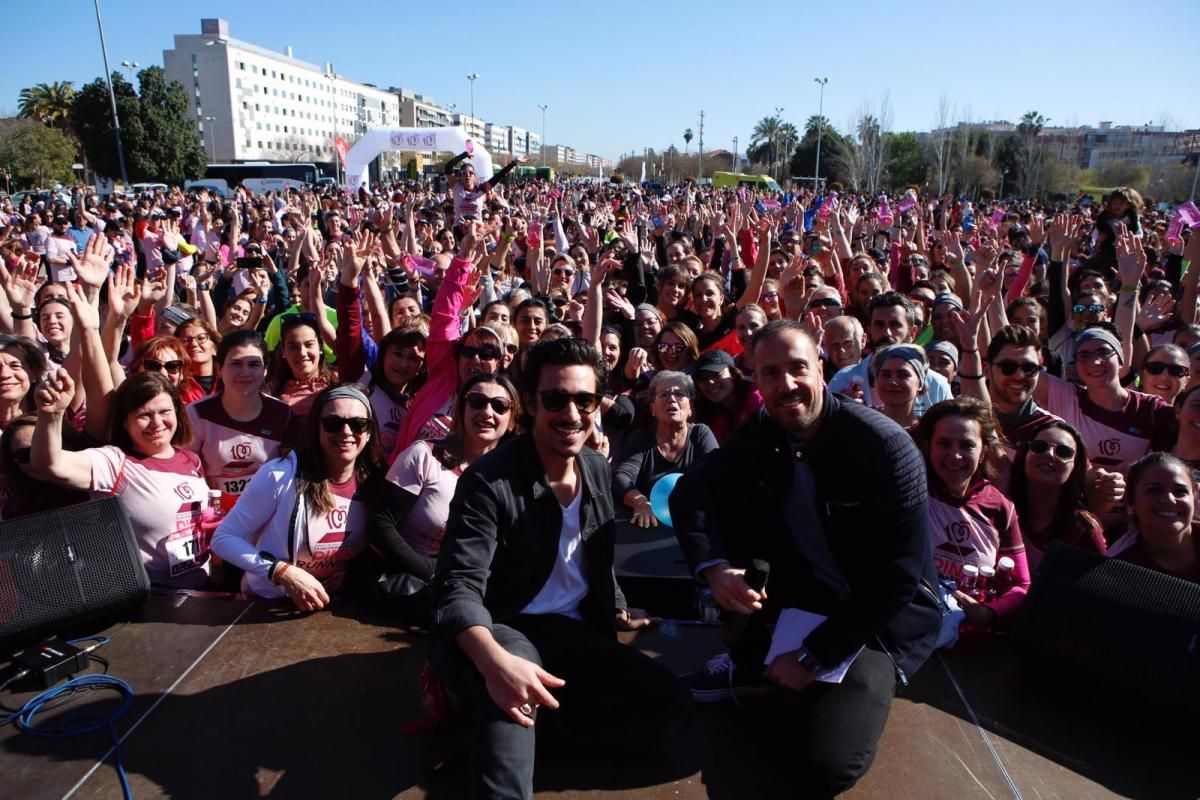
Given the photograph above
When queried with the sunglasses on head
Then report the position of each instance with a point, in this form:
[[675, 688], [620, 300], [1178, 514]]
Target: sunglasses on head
[[1090, 308], [557, 399], [485, 353], [825, 302], [1159, 367], [154, 365], [477, 402], [1061, 451], [335, 424], [1027, 368]]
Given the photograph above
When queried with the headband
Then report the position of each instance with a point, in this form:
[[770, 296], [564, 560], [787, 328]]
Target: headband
[[944, 347], [349, 391], [1100, 334], [949, 299], [915, 357]]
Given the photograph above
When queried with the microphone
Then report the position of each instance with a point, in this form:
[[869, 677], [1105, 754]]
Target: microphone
[[756, 578]]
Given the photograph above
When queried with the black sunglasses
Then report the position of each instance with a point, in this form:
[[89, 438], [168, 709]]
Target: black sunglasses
[[334, 424], [1091, 308], [154, 365], [1027, 368], [556, 400], [1061, 451], [21, 455], [307, 316], [825, 302], [478, 402], [485, 353], [676, 349], [1158, 368]]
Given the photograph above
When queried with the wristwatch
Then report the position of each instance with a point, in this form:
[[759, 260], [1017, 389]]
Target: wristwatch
[[807, 660]]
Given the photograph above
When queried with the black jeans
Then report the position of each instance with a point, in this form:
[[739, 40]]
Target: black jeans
[[838, 725], [615, 698]]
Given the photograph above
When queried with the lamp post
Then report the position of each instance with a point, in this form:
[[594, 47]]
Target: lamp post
[[820, 128], [112, 98], [774, 147], [131, 66], [212, 138], [474, 76], [543, 107]]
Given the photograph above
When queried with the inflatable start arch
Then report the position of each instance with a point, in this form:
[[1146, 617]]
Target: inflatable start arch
[[383, 140]]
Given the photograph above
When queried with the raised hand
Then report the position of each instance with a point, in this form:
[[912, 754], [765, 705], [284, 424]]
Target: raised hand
[[1156, 313], [1063, 233], [1037, 229], [92, 268], [124, 292], [21, 284], [87, 316], [1131, 258], [54, 393]]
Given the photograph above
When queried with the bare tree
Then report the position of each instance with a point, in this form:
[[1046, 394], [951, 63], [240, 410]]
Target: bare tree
[[940, 144], [963, 140], [1029, 153]]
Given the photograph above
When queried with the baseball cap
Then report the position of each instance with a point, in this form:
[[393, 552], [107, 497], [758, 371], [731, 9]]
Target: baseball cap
[[713, 361]]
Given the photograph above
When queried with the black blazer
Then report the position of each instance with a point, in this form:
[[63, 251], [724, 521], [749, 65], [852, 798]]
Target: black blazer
[[502, 537], [871, 498]]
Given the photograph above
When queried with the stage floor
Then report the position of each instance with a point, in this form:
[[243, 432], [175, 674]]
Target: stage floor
[[243, 700]]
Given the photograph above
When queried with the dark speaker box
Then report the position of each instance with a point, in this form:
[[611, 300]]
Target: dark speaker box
[[1117, 625], [60, 569]]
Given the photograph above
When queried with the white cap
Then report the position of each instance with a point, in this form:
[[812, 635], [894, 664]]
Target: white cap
[[987, 572], [970, 569], [214, 494], [1006, 563]]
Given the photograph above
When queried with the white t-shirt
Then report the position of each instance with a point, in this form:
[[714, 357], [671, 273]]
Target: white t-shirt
[[417, 470], [164, 498], [567, 585]]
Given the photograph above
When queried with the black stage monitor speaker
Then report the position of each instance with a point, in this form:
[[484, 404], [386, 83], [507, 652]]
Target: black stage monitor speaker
[[63, 568], [1120, 625]]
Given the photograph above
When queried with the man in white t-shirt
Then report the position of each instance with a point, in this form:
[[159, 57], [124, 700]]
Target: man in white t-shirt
[[527, 606]]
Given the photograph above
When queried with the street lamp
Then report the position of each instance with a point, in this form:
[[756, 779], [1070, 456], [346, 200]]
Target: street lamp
[[774, 146], [474, 76], [112, 98], [543, 108], [131, 66], [820, 128], [212, 138]]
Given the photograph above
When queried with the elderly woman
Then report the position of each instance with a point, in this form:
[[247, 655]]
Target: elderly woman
[[303, 517], [675, 444], [898, 374]]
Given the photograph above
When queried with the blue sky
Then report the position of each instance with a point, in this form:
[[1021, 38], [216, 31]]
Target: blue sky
[[620, 76]]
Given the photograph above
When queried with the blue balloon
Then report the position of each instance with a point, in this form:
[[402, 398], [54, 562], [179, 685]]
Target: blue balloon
[[660, 494]]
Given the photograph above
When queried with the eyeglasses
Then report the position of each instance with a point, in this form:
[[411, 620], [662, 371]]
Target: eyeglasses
[[825, 302], [563, 272], [199, 338], [673, 349], [1027, 368], [1061, 451], [335, 424], [1159, 367], [307, 316], [477, 402], [1099, 354], [557, 399], [560, 301], [511, 349], [769, 295], [485, 353], [21, 455], [1090, 308], [671, 394], [154, 365]]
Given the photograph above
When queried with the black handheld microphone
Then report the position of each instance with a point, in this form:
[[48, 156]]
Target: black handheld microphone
[[756, 578]]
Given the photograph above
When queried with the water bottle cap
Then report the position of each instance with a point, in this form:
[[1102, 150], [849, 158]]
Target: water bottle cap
[[986, 572], [214, 494], [970, 569], [1006, 563]]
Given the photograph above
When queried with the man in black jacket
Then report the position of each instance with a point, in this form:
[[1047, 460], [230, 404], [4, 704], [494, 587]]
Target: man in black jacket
[[527, 605], [833, 496]]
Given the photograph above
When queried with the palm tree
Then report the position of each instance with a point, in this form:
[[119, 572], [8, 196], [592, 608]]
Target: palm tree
[[765, 138], [687, 139], [814, 123], [47, 102]]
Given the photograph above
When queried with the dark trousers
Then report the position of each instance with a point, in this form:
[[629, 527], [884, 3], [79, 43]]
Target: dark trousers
[[837, 725], [615, 698]]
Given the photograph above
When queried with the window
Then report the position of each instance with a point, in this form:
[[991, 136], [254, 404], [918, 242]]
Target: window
[[241, 65], [256, 107], [254, 69], [246, 105], [272, 75], [260, 144]]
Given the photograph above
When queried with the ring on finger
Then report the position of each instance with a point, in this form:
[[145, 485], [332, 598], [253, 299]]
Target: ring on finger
[[526, 709]]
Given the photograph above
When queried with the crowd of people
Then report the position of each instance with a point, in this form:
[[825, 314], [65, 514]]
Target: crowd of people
[[900, 402]]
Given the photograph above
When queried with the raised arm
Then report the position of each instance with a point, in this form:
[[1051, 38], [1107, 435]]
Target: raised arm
[[46, 454], [1131, 264]]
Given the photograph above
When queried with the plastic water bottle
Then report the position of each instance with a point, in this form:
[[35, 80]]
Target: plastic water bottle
[[829, 205], [885, 211], [909, 202], [969, 584], [1004, 575], [986, 592], [211, 517]]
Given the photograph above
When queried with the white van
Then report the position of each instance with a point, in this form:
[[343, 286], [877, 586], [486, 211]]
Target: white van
[[214, 185]]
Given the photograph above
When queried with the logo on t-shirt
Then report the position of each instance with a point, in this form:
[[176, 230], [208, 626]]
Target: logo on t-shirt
[[337, 519], [958, 532], [184, 491], [241, 450], [1110, 447], [397, 414]]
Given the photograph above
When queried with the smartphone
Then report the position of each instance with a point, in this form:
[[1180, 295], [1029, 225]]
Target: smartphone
[[249, 262]]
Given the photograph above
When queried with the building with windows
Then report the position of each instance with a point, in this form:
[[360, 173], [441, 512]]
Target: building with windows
[[254, 104], [474, 127], [497, 140], [419, 111]]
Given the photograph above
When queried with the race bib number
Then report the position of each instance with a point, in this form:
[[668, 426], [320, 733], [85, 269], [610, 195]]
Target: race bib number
[[186, 551], [234, 486]]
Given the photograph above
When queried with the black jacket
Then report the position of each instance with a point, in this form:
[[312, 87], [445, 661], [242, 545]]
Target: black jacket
[[502, 537], [871, 489]]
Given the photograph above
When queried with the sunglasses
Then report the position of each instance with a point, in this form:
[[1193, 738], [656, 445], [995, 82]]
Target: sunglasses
[[673, 349], [511, 349], [21, 455], [564, 272], [478, 402], [556, 400], [1061, 451], [1159, 367], [154, 365], [1090, 308], [485, 353], [825, 302], [674, 394], [307, 316], [334, 424], [1027, 368]]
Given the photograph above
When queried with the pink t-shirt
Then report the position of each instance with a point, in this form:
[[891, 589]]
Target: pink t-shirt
[[163, 497], [335, 538], [1115, 439], [233, 451], [390, 415], [418, 470]]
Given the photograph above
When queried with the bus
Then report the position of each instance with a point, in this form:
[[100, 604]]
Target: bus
[[736, 179], [264, 176]]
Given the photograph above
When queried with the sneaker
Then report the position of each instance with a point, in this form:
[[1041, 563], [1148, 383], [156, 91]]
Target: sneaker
[[722, 680]]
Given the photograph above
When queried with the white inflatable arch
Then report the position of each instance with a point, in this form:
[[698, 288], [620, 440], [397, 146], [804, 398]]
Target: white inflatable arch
[[382, 140]]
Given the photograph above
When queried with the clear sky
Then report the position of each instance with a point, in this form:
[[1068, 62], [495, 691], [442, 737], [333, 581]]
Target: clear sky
[[621, 76]]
